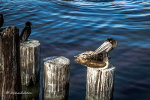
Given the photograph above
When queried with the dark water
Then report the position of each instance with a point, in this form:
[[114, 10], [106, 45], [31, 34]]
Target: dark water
[[66, 28]]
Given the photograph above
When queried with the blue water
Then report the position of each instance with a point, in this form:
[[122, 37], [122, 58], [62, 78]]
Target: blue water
[[67, 28]]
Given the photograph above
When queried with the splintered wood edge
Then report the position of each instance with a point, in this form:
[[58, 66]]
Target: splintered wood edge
[[57, 61], [30, 43]]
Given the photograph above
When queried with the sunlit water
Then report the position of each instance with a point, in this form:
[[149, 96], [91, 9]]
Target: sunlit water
[[67, 28]]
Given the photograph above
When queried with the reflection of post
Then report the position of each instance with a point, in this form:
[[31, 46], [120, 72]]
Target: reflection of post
[[99, 84], [30, 62], [10, 70], [56, 78]]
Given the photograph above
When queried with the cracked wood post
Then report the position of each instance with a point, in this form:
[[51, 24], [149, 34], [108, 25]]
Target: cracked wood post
[[100, 83], [10, 82], [56, 78], [30, 62]]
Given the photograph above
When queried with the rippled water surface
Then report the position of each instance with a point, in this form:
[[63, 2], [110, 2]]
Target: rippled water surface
[[67, 28]]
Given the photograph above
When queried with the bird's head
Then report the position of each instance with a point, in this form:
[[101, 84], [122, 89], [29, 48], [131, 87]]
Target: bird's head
[[28, 23], [112, 41]]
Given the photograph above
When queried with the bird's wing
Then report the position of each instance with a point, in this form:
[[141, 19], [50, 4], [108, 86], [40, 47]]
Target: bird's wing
[[21, 35]]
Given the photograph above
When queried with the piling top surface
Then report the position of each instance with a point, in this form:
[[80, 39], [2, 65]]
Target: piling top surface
[[30, 43], [9, 31], [105, 69], [62, 61]]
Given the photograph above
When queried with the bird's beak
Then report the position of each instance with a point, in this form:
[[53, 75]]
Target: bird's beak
[[103, 47]]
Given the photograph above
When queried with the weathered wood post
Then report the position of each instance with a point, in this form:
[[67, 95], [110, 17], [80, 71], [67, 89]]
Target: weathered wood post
[[100, 75], [99, 84], [56, 78], [30, 62], [10, 82]]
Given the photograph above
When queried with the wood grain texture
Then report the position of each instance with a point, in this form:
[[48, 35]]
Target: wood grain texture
[[30, 62], [56, 78], [99, 84], [10, 70]]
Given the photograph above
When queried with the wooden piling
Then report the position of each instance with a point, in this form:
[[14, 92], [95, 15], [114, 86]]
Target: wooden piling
[[10, 81], [56, 78], [1, 50], [99, 84], [30, 62]]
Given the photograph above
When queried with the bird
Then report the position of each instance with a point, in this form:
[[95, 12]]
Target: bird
[[98, 58], [26, 32], [1, 20]]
